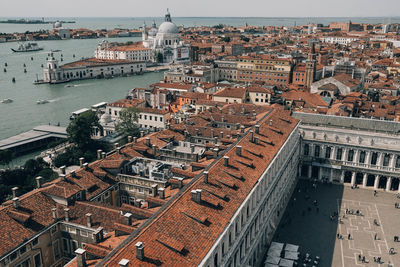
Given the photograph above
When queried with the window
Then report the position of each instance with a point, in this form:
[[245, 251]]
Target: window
[[150, 117], [56, 250], [306, 149], [37, 260], [72, 230], [374, 158], [25, 263], [155, 118], [84, 233], [74, 245], [339, 154], [65, 245], [161, 118], [53, 230], [350, 155], [397, 162], [35, 241], [386, 160], [22, 250], [362, 157], [328, 152], [317, 151]]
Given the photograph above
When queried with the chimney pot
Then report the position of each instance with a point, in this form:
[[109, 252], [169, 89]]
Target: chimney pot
[[119, 150], [62, 177], [196, 195], [251, 136], [81, 161], [123, 263], [257, 127], [99, 153], [140, 250], [89, 219], [128, 218], [66, 214], [15, 202], [103, 155], [129, 138], [154, 189], [270, 122], [221, 134], [80, 257], [54, 213], [86, 166], [226, 161], [161, 192], [239, 150], [73, 174], [39, 181], [206, 177], [141, 133], [115, 145], [14, 191], [62, 168], [148, 141], [256, 140], [154, 150]]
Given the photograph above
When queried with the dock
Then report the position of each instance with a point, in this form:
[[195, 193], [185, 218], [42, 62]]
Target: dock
[[37, 138]]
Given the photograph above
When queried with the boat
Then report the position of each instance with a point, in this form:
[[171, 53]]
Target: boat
[[7, 100], [42, 101], [27, 47]]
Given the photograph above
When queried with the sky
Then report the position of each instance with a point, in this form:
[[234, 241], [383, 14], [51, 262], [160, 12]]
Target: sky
[[199, 8]]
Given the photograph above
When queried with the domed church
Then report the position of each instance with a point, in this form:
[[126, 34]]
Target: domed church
[[165, 42]]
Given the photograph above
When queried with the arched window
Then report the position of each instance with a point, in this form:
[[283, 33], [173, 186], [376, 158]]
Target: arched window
[[339, 154], [374, 158], [386, 160], [362, 157], [216, 259], [317, 151], [306, 149]]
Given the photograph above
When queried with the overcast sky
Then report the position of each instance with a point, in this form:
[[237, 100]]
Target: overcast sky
[[199, 8]]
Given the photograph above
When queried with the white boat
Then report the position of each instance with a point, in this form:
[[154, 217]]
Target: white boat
[[7, 100], [42, 101]]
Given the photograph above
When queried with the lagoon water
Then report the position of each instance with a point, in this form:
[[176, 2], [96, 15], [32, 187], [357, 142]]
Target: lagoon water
[[24, 114]]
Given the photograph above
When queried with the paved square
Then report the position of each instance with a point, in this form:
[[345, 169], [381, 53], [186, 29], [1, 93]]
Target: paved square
[[307, 222]]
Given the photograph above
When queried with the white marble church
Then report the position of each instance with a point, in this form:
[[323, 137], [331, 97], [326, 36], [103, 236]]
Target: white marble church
[[165, 42]]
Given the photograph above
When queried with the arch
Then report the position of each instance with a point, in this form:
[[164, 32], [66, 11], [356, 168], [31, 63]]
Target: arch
[[395, 184], [347, 177], [370, 180], [382, 182], [359, 178]]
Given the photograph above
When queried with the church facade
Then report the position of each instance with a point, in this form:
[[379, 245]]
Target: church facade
[[165, 42]]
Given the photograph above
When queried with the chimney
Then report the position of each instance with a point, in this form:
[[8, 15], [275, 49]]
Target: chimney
[[134, 140], [196, 195], [192, 149], [226, 161], [154, 150], [216, 140], [180, 182], [251, 136], [254, 114], [148, 141], [161, 192], [129, 138], [119, 150], [212, 133], [206, 177], [14, 191], [222, 119], [86, 166], [66, 214], [257, 127], [256, 140], [270, 122], [242, 129], [243, 110], [39, 181], [80, 257], [123, 263], [141, 133], [196, 132], [139, 250], [168, 126], [115, 145], [15, 202], [138, 203], [72, 173], [99, 153], [128, 218], [154, 190], [103, 155], [81, 161], [54, 212], [88, 219], [239, 150], [62, 168], [221, 134]]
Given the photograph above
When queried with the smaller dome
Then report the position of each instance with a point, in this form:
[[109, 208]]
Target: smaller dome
[[168, 27], [153, 32], [57, 24]]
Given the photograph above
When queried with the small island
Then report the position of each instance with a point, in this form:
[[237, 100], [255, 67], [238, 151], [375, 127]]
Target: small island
[[31, 21]]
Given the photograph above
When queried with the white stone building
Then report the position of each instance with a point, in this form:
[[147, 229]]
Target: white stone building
[[133, 52], [165, 42]]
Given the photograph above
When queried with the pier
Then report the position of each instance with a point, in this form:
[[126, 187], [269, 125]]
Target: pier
[[34, 139]]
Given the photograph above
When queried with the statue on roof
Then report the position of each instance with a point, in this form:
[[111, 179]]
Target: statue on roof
[[168, 16]]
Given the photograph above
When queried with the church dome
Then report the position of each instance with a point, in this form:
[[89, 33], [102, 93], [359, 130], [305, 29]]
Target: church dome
[[57, 24], [168, 27]]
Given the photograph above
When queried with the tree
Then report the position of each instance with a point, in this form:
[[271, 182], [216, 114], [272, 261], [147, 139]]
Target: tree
[[128, 122], [226, 39], [244, 38], [6, 157], [81, 129]]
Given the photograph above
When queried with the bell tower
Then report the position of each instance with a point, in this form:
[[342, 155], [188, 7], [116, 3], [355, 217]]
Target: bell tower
[[310, 68]]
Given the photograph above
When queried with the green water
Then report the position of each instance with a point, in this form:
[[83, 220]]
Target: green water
[[24, 114]]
